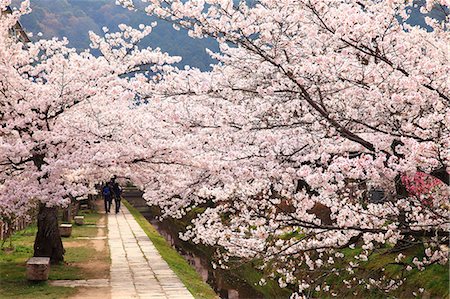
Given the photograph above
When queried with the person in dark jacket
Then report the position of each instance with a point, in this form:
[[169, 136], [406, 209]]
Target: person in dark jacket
[[117, 191], [107, 196]]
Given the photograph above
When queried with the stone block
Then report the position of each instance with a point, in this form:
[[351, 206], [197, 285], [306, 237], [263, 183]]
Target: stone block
[[79, 220], [38, 268], [65, 230]]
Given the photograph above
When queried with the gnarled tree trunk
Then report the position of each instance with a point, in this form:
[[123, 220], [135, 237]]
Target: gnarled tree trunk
[[48, 240]]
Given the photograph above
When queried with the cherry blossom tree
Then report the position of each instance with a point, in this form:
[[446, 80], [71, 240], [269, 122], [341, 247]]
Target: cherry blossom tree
[[62, 117], [314, 106]]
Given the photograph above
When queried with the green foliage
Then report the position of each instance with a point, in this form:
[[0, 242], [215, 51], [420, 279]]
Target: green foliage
[[270, 289], [434, 279], [296, 234]]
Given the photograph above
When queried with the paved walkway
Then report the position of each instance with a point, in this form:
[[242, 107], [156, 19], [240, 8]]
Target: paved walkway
[[137, 269]]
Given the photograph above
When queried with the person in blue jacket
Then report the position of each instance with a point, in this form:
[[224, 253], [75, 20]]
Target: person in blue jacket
[[107, 196]]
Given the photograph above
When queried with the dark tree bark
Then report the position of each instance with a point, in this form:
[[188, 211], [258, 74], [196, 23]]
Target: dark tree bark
[[322, 212], [48, 240], [442, 175]]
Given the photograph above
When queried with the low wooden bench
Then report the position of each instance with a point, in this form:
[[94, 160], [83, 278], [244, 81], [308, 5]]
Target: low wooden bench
[[38, 268]]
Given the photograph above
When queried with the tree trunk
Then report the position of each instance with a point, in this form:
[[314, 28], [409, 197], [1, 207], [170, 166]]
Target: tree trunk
[[48, 240]]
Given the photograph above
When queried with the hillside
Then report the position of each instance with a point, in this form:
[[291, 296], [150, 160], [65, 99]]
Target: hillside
[[74, 18]]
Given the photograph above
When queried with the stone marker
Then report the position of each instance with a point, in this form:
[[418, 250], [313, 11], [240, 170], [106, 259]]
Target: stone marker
[[65, 230], [38, 268], [79, 220]]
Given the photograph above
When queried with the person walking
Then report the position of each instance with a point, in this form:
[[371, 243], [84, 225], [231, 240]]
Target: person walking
[[107, 196], [117, 191]]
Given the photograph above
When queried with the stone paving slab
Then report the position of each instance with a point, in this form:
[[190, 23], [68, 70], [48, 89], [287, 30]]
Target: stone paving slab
[[137, 269], [91, 238], [90, 283]]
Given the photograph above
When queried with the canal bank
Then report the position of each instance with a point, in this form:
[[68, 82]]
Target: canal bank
[[240, 282]]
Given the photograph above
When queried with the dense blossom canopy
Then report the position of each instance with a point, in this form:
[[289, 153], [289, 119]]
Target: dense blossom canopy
[[63, 114], [325, 125], [313, 133]]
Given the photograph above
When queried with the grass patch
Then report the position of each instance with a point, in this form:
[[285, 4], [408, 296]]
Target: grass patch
[[13, 283], [177, 263], [41, 290], [79, 255], [270, 289], [90, 217], [82, 231], [434, 279], [88, 229]]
